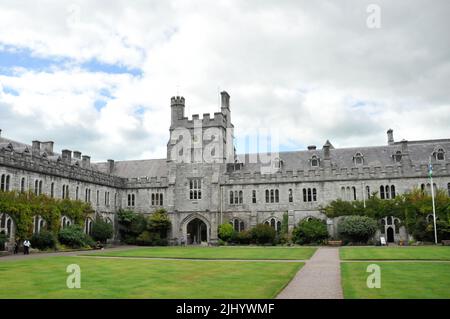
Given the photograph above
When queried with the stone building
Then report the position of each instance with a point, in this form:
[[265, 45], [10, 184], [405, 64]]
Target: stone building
[[202, 182]]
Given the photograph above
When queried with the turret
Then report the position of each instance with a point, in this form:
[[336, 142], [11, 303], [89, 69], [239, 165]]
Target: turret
[[177, 106]]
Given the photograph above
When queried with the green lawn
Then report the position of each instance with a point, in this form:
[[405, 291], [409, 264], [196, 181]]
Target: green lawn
[[402, 280], [141, 278], [395, 253], [290, 253]]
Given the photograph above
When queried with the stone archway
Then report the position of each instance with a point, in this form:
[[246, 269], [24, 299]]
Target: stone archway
[[390, 235], [197, 232], [195, 229]]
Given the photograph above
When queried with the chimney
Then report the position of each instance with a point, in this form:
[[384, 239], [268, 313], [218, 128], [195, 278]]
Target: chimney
[[77, 155], [0, 132], [225, 97], [47, 147], [326, 150], [390, 135], [110, 166], [36, 147], [404, 146], [311, 147], [67, 156], [86, 161]]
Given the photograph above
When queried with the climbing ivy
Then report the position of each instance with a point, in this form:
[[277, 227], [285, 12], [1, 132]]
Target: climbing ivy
[[22, 207]]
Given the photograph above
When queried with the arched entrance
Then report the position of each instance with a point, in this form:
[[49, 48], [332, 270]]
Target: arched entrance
[[390, 235], [197, 232]]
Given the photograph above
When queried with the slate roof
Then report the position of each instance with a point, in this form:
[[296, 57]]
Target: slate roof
[[137, 168]]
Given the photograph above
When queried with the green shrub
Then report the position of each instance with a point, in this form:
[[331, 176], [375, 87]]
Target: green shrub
[[74, 237], [101, 230], [159, 223], [310, 231], [148, 238], [244, 237], [263, 234], [131, 225], [357, 229], [226, 232], [3, 240], [43, 240]]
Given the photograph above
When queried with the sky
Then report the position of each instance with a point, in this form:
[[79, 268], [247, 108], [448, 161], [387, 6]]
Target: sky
[[97, 76]]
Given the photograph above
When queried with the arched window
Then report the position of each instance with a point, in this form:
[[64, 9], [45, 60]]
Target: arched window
[[343, 193], [314, 161], [389, 220], [354, 192], [387, 192], [359, 159], [397, 225], [368, 191], [88, 226], [393, 191], [22, 185], [3, 182], [241, 197], [254, 196], [309, 195], [290, 195], [305, 197], [267, 196], [40, 187], [383, 226], [7, 182], [398, 156], [440, 155], [382, 192], [272, 196], [231, 198], [277, 196], [272, 223]]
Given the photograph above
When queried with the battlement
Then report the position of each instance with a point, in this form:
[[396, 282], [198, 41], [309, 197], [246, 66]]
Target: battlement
[[57, 167], [146, 182], [206, 121], [177, 100]]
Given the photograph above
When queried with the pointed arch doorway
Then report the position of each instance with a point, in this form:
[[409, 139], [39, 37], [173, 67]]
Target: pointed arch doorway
[[197, 232]]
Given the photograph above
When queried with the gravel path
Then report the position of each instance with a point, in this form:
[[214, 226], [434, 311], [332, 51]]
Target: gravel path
[[320, 278]]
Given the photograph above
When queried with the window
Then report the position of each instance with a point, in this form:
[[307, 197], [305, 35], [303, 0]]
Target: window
[[254, 196], [98, 198], [240, 197], [291, 197], [77, 191], [157, 199], [237, 224], [309, 195], [354, 192], [65, 191], [65, 222], [392, 191], [387, 192], [358, 159], [272, 196], [314, 161], [4, 183], [274, 223], [40, 187], [87, 195], [277, 196], [37, 187], [195, 189], [131, 200], [22, 184], [231, 197], [88, 226], [52, 190], [368, 191], [398, 156], [440, 155], [382, 192], [267, 195], [448, 189]]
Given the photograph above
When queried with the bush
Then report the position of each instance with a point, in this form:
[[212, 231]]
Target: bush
[[159, 223], [101, 230], [263, 234], [310, 231], [131, 225], [43, 240], [3, 240], [357, 228], [148, 238], [226, 232], [74, 237], [244, 237]]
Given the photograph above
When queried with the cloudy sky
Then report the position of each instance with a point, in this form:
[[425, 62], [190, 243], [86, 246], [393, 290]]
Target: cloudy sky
[[97, 76]]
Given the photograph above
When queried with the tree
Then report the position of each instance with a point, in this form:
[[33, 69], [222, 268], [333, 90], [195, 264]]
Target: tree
[[263, 234], [101, 230], [226, 231], [159, 223], [357, 228], [309, 231]]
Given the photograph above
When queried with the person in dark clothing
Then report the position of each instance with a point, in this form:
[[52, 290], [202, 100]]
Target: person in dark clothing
[[16, 247], [26, 247]]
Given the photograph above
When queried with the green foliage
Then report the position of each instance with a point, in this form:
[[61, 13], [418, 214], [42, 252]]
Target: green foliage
[[148, 238], [22, 207], [244, 237], [43, 240], [101, 230], [285, 224], [357, 228], [131, 225], [310, 231], [226, 232], [263, 234], [74, 237], [159, 223], [411, 208], [3, 240]]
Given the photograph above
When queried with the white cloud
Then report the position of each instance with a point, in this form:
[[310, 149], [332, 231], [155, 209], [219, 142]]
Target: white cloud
[[312, 70]]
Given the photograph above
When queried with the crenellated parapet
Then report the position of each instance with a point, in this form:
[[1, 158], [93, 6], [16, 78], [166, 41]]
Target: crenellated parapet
[[63, 168], [146, 182]]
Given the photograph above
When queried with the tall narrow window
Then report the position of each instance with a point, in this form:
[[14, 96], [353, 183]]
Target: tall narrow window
[[52, 190], [241, 197], [161, 199], [277, 196], [267, 196], [40, 187], [448, 189], [368, 191], [382, 192], [231, 198], [98, 198], [393, 191], [77, 191], [22, 185], [387, 192], [254, 196], [272, 196], [314, 161], [309, 195], [291, 197], [7, 182], [305, 197], [354, 192], [3, 183], [314, 195]]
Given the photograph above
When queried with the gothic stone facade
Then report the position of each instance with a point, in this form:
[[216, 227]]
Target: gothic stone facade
[[203, 183]]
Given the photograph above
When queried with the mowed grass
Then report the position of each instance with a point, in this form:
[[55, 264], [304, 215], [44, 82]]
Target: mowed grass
[[402, 280], [257, 253], [395, 253], [141, 278]]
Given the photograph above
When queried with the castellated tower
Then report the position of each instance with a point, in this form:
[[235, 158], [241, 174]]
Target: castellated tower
[[200, 140]]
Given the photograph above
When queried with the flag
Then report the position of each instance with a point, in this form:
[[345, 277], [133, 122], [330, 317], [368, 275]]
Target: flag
[[430, 170]]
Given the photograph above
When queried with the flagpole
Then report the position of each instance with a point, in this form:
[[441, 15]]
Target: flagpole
[[432, 199]]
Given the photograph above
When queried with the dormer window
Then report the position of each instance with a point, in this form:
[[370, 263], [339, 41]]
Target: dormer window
[[315, 161], [358, 159], [277, 163], [440, 154], [398, 156]]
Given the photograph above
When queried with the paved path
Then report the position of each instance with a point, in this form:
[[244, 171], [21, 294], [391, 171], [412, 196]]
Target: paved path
[[319, 278]]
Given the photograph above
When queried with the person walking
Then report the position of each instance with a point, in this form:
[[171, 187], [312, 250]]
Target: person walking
[[26, 247], [16, 247]]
